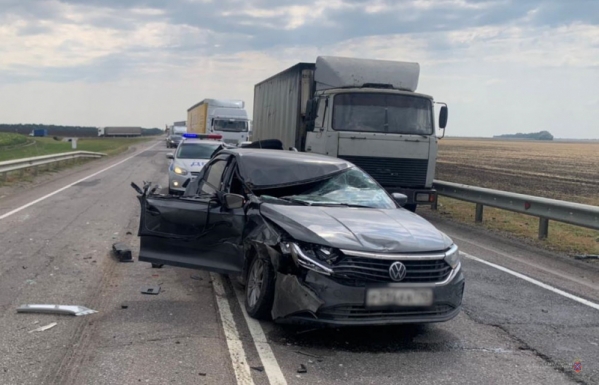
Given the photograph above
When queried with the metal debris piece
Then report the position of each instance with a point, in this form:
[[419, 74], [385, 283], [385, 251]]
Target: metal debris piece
[[302, 369], [308, 354], [258, 368], [122, 252], [586, 256], [56, 309], [42, 328], [202, 374], [154, 289]]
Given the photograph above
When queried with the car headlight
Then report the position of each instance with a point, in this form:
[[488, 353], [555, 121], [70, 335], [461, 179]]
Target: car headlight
[[452, 256], [180, 170], [313, 257]]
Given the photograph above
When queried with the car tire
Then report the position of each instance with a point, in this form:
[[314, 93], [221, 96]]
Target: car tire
[[260, 289]]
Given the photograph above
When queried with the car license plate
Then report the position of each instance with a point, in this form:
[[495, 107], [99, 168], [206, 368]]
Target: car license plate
[[399, 297]]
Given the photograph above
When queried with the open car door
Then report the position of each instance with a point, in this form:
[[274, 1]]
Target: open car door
[[202, 232]]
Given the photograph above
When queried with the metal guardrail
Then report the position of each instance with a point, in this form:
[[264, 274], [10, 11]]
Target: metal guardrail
[[24, 163], [545, 209]]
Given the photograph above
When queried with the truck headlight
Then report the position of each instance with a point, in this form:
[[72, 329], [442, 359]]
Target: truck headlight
[[452, 256], [180, 171]]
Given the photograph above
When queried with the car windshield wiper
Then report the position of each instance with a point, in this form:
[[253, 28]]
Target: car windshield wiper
[[294, 200]]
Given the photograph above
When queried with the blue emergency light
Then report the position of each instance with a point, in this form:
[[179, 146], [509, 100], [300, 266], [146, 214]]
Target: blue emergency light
[[202, 136]]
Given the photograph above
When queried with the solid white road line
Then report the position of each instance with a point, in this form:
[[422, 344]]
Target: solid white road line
[[238, 358], [534, 282], [271, 366], [8, 214]]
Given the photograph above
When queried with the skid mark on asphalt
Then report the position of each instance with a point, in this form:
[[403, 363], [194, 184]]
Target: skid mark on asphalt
[[269, 361], [238, 358], [8, 214], [535, 282]]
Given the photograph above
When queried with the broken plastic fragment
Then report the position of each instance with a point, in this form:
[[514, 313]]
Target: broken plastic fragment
[[122, 252], [302, 369], [56, 309], [42, 328]]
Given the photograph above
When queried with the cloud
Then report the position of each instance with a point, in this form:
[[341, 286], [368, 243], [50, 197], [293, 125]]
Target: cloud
[[485, 57]]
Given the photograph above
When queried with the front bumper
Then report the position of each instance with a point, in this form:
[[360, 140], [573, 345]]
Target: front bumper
[[177, 182], [413, 193], [341, 305]]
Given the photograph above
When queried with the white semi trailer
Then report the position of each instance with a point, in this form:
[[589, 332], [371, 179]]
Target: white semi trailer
[[364, 111]]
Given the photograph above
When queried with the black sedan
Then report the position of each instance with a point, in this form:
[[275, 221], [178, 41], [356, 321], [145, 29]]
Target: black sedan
[[172, 141], [313, 238]]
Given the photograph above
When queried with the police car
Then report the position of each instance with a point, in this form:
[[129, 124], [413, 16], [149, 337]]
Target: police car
[[187, 161]]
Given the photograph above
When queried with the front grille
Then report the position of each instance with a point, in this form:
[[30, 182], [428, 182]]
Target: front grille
[[196, 173], [355, 313], [392, 172], [357, 271]]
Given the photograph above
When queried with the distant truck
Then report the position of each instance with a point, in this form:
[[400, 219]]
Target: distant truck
[[178, 128], [364, 111], [119, 131], [39, 132], [217, 116]]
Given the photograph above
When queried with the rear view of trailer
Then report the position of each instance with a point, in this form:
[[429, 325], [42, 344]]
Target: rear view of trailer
[[280, 105]]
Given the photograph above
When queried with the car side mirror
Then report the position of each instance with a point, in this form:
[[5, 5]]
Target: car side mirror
[[233, 201], [401, 199], [170, 156]]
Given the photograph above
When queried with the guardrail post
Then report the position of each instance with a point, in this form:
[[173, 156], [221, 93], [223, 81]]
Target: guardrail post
[[478, 217], [543, 228]]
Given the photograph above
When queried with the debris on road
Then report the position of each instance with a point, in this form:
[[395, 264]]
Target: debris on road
[[154, 289], [302, 369], [56, 309], [122, 252], [129, 233], [124, 306], [196, 277], [202, 374], [586, 256], [43, 328], [258, 368], [308, 354]]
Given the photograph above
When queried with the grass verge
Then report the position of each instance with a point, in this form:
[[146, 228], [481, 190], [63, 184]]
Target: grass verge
[[48, 146], [8, 139], [563, 238]]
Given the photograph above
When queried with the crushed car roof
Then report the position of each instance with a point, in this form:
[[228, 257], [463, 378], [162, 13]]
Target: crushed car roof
[[275, 168]]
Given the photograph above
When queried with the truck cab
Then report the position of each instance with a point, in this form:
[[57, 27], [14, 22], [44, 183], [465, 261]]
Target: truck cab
[[388, 133]]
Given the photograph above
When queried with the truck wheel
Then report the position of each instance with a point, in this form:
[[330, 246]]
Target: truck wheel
[[260, 289], [410, 207]]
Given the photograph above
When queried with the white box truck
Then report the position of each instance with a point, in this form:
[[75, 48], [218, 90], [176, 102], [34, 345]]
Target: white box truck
[[227, 118], [364, 111]]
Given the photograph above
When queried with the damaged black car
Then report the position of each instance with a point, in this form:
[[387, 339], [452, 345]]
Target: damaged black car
[[314, 239]]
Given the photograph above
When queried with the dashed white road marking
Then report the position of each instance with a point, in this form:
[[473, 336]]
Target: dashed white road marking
[[238, 358], [8, 214], [535, 282], [269, 361]]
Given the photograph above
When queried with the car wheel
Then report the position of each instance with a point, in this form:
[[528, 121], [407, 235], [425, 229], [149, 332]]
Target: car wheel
[[260, 289]]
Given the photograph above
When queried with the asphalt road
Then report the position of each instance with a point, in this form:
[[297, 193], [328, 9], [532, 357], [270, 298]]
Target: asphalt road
[[526, 324]]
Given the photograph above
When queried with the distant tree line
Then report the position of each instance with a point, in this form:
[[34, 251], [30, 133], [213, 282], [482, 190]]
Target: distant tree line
[[76, 131], [542, 135]]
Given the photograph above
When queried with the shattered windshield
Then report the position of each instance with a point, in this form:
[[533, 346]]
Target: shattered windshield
[[230, 125], [385, 113], [352, 187]]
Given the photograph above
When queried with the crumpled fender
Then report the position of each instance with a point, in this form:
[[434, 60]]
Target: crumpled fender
[[292, 297]]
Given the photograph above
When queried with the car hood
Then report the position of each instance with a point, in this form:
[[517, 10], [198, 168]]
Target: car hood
[[192, 165], [360, 229]]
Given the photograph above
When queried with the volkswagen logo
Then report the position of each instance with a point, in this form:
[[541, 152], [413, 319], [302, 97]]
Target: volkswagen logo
[[397, 271]]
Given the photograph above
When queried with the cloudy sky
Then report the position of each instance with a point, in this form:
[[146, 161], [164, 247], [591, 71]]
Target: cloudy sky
[[503, 66]]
